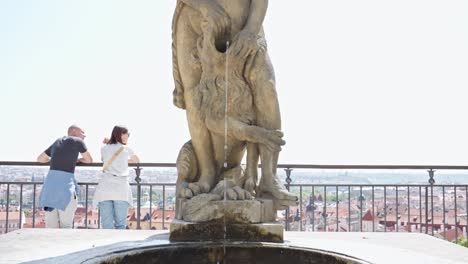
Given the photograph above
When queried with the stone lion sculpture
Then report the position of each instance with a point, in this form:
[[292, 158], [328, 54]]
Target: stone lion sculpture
[[201, 31]]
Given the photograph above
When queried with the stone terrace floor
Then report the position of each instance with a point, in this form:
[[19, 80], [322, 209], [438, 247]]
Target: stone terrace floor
[[75, 246]]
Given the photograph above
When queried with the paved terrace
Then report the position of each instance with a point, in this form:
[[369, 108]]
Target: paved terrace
[[76, 246]]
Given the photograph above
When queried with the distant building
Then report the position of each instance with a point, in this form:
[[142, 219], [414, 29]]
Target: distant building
[[13, 221]]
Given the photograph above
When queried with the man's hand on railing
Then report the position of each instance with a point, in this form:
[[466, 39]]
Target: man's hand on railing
[[43, 158], [86, 158]]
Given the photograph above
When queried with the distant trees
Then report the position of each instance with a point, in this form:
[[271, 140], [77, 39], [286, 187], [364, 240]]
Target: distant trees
[[463, 242]]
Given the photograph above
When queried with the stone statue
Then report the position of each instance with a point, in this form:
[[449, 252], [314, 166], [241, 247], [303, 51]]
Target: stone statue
[[201, 31]]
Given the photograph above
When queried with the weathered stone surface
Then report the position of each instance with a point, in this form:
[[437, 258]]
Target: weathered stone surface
[[53, 246], [210, 207], [215, 231], [224, 79]]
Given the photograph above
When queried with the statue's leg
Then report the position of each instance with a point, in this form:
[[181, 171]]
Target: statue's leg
[[251, 169], [232, 172], [262, 81], [238, 130], [190, 73], [242, 132]]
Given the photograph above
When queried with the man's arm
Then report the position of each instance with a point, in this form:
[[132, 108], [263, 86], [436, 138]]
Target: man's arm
[[85, 158], [257, 14], [43, 158]]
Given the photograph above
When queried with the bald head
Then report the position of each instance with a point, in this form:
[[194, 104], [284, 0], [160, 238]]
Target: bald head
[[76, 131]]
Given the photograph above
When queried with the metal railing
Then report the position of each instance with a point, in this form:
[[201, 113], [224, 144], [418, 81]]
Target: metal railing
[[385, 204]]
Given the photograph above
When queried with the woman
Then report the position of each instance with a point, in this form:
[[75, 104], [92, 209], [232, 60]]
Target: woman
[[113, 194]]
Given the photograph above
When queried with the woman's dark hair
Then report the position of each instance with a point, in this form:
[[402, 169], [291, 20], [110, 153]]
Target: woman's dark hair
[[116, 136]]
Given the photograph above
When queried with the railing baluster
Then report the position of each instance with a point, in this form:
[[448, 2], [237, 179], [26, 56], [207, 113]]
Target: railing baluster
[[456, 222], [337, 218], [349, 208], [466, 211], [300, 208], [420, 210], [86, 206], [432, 210], [164, 205], [443, 212], [427, 209], [313, 209], [150, 209], [409, 209], [325, 215], [385, 208], [34, 206], [373, 210], [397, 219], [360, 208], [20, 225], [138, 180], [7, 208], [431, 182]]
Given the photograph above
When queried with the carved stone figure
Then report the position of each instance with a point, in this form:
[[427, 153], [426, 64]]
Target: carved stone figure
[[201, 29]]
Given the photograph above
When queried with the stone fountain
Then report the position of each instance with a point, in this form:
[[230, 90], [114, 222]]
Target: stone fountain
[[229, 95]]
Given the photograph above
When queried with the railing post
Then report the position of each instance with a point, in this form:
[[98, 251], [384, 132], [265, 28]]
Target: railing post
[[138, 180], [21, 207], [431, 183], [288, 183], [164, 205], [455, 212], [86, 207], [7, 207], [34, 207]]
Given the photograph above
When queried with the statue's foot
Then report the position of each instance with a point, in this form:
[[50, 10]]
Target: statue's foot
[[189, 190], [271, 184], [277, 203], [232, 191], [237, 193], [250, 185]]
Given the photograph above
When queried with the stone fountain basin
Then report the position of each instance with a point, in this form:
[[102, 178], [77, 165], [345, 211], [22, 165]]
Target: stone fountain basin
[[209, 253], [97, 246]]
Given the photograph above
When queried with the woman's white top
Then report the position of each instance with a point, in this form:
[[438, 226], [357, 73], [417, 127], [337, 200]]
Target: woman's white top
[[113, 183]]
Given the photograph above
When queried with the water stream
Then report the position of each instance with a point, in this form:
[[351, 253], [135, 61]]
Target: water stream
[[225, 145]]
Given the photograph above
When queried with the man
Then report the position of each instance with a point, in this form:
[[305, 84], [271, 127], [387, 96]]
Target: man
[[58, 195]]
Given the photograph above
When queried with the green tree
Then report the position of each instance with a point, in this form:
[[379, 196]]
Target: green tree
[[463, 242]]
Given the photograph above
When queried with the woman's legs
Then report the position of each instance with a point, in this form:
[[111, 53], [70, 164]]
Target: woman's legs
[[120, 214], [106, 210]]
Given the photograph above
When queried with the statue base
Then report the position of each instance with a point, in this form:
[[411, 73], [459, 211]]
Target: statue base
[[182, 231], [208, 207], [207, 218]]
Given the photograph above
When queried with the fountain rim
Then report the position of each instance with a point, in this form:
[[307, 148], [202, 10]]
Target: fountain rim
[[110, 255]]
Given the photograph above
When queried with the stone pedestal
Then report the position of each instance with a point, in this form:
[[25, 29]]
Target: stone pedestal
[[182, 231], [203, 208], [204, 218]]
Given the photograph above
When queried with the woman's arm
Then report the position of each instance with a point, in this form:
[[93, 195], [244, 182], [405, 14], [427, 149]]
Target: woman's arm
[[134, 159]]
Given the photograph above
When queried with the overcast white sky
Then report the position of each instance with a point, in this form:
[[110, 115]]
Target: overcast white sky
[[359, 82]]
